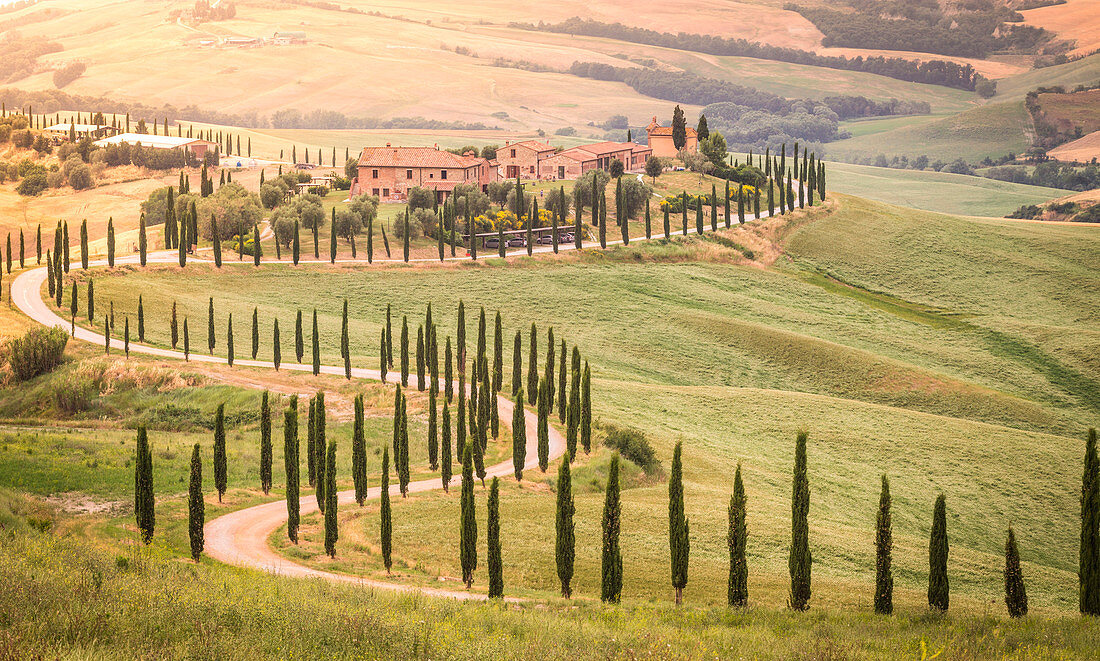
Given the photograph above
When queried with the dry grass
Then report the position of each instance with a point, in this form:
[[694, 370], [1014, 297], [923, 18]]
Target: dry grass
[[1076, 19], [1081, 150]]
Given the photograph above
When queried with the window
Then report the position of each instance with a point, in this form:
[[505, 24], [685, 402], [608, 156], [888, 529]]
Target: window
[[513, 153], [408, 174], [374, 174], [443, 174], [385, 192], [532, 169], [374, 192], [561, 172]]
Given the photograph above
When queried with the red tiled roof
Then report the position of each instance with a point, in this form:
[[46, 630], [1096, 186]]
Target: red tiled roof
[[667, 130], [601, 148], [414, 157], [577, 154], [533, 145]]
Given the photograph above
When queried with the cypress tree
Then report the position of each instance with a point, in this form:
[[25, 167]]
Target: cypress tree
[[517, 365], [938, 587], [492, 538], [403, 471], [531, 220], [196, 507], [561, 385], [65, 246], [573, 414], [141, 321], [210, 326], [276, 349], [382, 354], [255, 332], [611, 565], [106, 334], [533, 362], [386, 527], [186, 342], [433, 432], [549, 372], [543, 429], [1089, 571], [316, 346], [678, 543], [756, 202], [38, 245], [668, 227], [420, 358], [586, 410], [74, 302], [699, 215], [299, 338], [49, 274], [468, 521], [345, 342], [295, 243], [884, 543], [1015, 594], [726, 205], [83, 246], [265, 444], [257, 249], [359, 453], [519, 436], [737, 539], [229, 340], [461, 338], [332, 526], [448, 374], [290, 463], [565, 538], [557, 215], [217, 241], [311, 442], [713, 208], [404, 353], [648, 222], [389, 337], [460, 418], [91, 299], [110, 244], [144, 502], [181, 245], [221, 476], [405, 245], [445, 449], [578, 228], [800, 561], [498, 353], [332, 239]]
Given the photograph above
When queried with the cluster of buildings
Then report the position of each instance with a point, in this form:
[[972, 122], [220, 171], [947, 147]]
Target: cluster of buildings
[[389, 172], [281, 38]]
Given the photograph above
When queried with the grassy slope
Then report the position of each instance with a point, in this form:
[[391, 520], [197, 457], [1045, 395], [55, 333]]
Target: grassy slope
[[718, 356], [1069, 75]]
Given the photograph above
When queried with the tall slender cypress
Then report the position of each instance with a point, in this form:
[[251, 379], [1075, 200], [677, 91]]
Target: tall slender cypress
[[562, 384], [678, 542], [549, 370], [1089, 570], [445, 449], [467, 540], [316, 346], [210, 341], [196, 507], [382, 362], [420, 362], [345, 342], [83, 246], [938, 586], [386, 513], [110, 244], [543, 425], [564, 534], [884, 543], [800, 560], [332, 526], [492, 539], [359, 452], [276, 348], [404, 353], [498, 353], [611, 563], [519, 436], [290, 463], [332, 239], [737, 539], [433, 431], [255, 332], [517, 364], [144, 502], [265, 443], [1015, 594], [221, 475], [533, 362], [229, 340], [586, 410], [403, 460], [311, 442], [299, 338]]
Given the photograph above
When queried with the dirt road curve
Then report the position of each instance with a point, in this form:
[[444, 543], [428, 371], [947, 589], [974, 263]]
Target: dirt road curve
[[240, 538]]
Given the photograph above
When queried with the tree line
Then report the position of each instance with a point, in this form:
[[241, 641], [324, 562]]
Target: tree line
[[934, 72]]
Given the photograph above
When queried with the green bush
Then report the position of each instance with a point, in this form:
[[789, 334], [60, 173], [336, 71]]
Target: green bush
[[39, 351], [632, 444], [74, 394]]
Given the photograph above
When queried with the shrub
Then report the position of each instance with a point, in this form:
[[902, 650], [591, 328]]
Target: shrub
[[271, 195], [420, 198], [38, 351], [80, 177], [68, 74], [74, 393], [566, 130], [22, 139], [32, 185], [1090, 215], [415, 229], [632, 444]]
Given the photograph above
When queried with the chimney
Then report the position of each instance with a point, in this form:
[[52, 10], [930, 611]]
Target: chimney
[[437, 146], [387, 144]]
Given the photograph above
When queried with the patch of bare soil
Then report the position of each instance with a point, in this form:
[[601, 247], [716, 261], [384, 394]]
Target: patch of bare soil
[[74, 502]]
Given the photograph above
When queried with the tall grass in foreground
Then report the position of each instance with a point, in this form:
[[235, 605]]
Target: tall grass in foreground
[[145, 604]]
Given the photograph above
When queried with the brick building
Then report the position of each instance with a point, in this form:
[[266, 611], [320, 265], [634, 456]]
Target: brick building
[[660, 140], [389, 172], [572, 163], [523, 159]]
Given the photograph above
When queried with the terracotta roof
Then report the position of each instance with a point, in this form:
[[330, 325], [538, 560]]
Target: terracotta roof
[[414, 157], [533, 145], [577, 154], [667, 130]]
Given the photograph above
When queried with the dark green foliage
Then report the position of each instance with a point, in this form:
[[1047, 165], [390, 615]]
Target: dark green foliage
[[299, 338], [498, 354], [276, 346], [433, 432], [382, 355], [543, 425], [549, 371], [359, 453], [386, 527], [679, 128], [678, 543], [938, 587], [290, 463], [460, 419], [533, 362], [519, 436], [1089, 570], [492, 539], [221, 474], [110, 244], [196, 506], [445, 449], [210, 327], [311, 442], [562, 404], [91, 299], [229, 340], [565, 537], [255, 332], [586, 410], [517, 364], [420, 385], [401, 462], [573, 410], [332, 239], [460, 338], [884, 543], [737, 539], [316, 346], [83, 246], [126, 336], [265, 443], [257, 249], [345, 343], [448, 373], [143, 241], [217, 241], [332, 531], [186, 341], [404, 354], [800, 560], [141, 321], [1015, 594], [467, 520], [296, 242], [611, 563], [144, 503]]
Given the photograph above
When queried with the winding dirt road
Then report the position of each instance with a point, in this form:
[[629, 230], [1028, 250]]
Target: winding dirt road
[[240, 538]]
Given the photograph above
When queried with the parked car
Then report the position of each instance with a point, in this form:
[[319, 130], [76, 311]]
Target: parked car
[[545, 239], [516, 242], [568, 237], [492, 242]]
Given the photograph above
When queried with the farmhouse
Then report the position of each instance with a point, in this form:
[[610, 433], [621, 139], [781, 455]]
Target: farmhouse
[[660, 140], [389, 172], [523, 159], [572, 163], [60, 132], [287, 38], [194, 145]]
